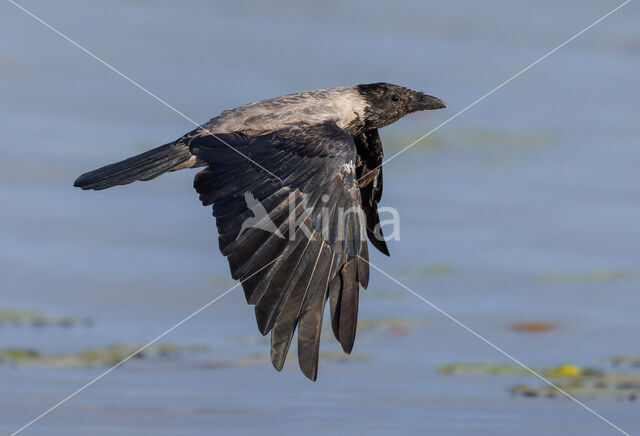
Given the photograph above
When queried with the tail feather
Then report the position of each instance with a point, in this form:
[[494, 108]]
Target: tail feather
[[145, 166]]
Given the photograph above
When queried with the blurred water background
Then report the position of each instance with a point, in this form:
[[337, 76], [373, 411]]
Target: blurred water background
[[523, 209]]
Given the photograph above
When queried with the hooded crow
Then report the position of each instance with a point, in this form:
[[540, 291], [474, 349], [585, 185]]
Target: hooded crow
[[311, 163]]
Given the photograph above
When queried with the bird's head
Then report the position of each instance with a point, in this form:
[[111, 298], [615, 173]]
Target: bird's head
[[387, 103]]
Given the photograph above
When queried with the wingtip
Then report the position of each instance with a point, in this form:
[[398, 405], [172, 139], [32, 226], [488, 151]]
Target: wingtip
[[379, 243], [310, 372], [264, 320], [277, 365], [78, 183], [82, 183], [384, 249], [309, 366], [347, 345]]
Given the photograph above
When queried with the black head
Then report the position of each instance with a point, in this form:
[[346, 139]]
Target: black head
[[387, 103]]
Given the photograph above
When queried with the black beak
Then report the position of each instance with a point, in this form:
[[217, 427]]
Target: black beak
[[426, 103]]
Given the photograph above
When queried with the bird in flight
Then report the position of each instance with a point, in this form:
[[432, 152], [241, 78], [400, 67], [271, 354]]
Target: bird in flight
[[311, 163]]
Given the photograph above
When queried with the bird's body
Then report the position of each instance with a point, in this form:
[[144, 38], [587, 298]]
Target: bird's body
[[311, 163], [342, 105]]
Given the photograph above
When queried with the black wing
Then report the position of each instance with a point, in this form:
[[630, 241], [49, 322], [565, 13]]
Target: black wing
[[369, 173], [310, 221]]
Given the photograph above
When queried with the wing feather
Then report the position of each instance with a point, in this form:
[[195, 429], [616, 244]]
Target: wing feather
[[310, 323], [301, 256], [349, 305]]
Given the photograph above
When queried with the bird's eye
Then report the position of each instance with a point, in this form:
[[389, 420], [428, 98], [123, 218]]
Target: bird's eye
[[395, 98]]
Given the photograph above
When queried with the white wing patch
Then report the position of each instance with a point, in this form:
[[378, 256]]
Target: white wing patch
[[349, 167], [348, 172]]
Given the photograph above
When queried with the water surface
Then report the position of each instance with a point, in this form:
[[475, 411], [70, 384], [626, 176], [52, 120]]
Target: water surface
[[529, 200]]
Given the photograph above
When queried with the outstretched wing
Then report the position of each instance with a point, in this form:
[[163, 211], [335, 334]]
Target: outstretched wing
[[306, 239]]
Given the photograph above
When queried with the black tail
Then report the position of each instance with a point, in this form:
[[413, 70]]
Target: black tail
[[145, 166]]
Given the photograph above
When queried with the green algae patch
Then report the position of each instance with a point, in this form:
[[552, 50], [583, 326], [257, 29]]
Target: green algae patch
[[438, 269], [596, 276], [621, 386], [37, 319], [566, 370], [341, 356], [260, 358], [481, 368], [94, 357], [572, 378], [13, 355], [632, 361], [335, 356], [391, 326]]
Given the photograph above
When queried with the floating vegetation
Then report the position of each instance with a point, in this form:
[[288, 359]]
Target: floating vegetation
[[533, 326], [560, 371], [393, 326], [617, 385], [36, 319], [569, 377], [597, 276], [427, 270], [93, 357], [632, 361], [12, 355], [253, 359], [481, 368], [567, 370], [336, 356], [340, 356]]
